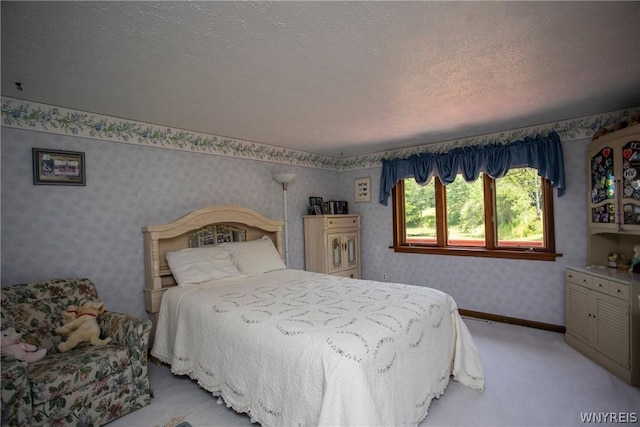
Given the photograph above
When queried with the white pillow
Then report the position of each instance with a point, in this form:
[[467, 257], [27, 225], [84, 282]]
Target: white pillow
[[255, 256], [197, 265]]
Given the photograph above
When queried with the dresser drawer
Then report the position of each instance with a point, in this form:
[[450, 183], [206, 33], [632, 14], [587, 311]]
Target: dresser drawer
[[619, 290], [601, 285], [578, 278], [353, 273], [342, 222]]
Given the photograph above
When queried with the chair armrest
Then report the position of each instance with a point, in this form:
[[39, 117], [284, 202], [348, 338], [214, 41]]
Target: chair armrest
[[16, 394], [131, 332]]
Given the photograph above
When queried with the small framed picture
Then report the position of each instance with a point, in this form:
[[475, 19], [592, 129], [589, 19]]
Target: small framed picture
[[317, 209], [315, 201], [326, 209], [362, 187], [57, 167]]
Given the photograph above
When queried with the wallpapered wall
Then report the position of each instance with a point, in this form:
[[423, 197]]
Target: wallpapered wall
[[95, 231], [532, 290]]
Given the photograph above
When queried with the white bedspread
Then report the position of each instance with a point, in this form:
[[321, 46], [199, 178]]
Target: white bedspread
[[297, 348]]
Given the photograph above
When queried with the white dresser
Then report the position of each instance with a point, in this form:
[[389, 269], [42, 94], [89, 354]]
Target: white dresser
[[603, 318], [332, 244]]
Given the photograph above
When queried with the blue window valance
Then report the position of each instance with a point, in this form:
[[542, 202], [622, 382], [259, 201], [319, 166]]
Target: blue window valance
[[541, 153]]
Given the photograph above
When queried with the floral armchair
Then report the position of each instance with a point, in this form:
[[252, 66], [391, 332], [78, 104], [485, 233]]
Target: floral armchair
[[86, 386]]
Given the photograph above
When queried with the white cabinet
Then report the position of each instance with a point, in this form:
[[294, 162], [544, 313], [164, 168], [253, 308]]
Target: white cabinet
[[332, 244], [614, 170], [613, 196], [603, 318], [602, 304]]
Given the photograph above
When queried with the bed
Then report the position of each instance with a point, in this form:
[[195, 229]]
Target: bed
[[290, 347]]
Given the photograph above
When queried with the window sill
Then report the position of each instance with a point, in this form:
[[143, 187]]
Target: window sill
[[479, 252]]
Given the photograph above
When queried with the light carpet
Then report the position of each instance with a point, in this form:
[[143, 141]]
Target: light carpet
[[532, 379]]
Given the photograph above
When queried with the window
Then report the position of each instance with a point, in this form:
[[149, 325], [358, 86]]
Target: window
[[508, 217]]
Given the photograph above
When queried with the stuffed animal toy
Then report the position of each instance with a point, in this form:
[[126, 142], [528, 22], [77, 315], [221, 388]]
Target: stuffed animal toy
[[636, 258], [12, 346], [71, 313], [83, 328]]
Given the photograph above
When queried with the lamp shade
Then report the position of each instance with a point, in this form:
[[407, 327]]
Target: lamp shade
[[284, 178]]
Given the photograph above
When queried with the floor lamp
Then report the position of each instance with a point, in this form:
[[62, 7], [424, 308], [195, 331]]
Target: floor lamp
[[284, 179]]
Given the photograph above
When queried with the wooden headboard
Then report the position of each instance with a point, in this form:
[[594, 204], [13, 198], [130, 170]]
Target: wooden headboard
[[186, 231]]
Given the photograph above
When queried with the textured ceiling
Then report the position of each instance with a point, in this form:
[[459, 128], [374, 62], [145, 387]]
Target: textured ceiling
[[334, 78]]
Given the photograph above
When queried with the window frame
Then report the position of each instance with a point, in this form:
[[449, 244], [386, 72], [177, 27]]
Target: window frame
[[491, 249]]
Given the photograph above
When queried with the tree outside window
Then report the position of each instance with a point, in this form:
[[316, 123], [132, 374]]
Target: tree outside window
[[508, 217]]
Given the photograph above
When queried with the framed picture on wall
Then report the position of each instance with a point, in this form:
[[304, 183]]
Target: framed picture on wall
[[57, 167], [362, 187]]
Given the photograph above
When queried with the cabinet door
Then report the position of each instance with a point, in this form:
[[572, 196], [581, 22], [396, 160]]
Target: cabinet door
[[351, 256], [603, 191], [336, 262], [578, 316], [630, 161], [611, 327]]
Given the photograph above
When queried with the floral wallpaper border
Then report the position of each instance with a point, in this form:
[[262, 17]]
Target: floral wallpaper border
[[35, 116]]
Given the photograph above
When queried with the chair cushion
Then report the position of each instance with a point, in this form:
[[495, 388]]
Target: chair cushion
[[59, 374]]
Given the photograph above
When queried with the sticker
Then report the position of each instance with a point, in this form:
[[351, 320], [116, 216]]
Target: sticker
[[628, 191], [630, 173]]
